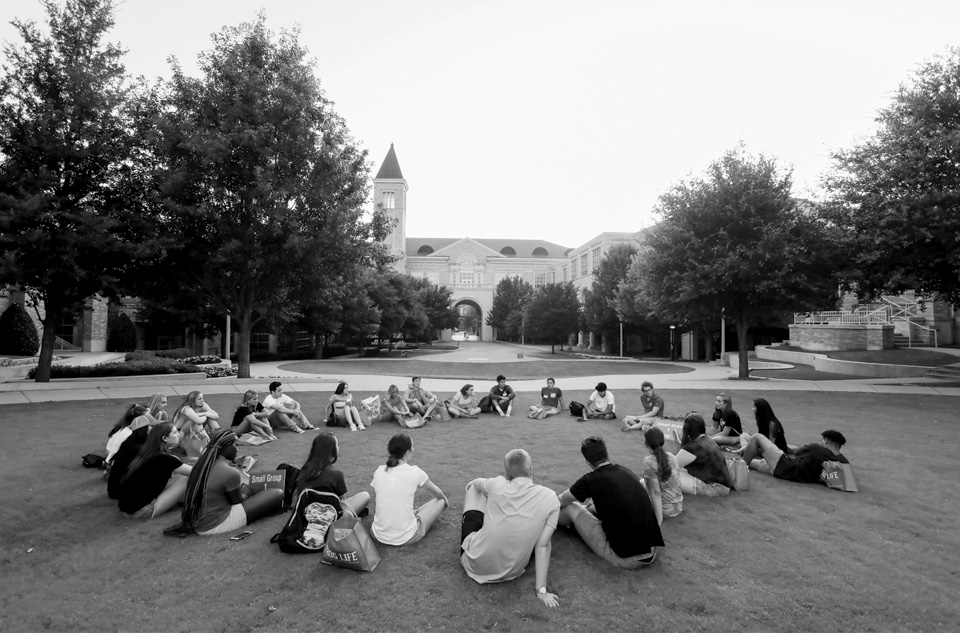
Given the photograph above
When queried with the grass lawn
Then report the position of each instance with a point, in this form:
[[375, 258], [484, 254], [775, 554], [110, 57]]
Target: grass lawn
[[799, 372], [560, 367], [896, 356], [782, 556]]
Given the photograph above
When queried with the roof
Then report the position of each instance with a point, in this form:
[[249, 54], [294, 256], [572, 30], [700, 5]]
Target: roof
[[391, 166], [523, 248]]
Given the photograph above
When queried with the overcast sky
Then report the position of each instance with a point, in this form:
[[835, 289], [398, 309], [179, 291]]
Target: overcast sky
[[559, 120]]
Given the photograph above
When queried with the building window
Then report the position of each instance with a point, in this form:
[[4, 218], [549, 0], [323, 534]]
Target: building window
[[540, 252], [389, 202], [424, 250], [509, 251], [467, 279], [564, 271], [259, 342], [596, 257], [583, 265], [539, 280]]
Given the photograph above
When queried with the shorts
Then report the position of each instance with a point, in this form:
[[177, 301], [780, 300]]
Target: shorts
[[704, 489], [420, 533], [234, 521], [590, 529]]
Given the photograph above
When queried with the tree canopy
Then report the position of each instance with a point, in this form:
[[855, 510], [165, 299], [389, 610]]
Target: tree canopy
[[600, 305], [71, 225], [506, 314], [736, 242], [553, 312], [897, 193]]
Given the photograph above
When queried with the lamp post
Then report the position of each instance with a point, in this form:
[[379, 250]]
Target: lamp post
[[673, 347], [621, 339]]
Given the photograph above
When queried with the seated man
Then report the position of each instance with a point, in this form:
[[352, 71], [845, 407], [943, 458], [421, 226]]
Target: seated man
[[284, 410], [418, 399], [501, 397], [505, 519], [621, 527], [551, 402], [652, 408], [600, 405], [804, 466]]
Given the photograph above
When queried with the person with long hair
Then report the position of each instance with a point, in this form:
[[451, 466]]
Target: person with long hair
[[463, 404], [155, 481], [318, 473], [768, 425], [395, 520], [251, 417], [342, 403], [805, 465], [726, 421], [195, 416], [216, 500], [121, 430], [661, 475], [157, 407], [396, 407], [124, 456], [705, 469]]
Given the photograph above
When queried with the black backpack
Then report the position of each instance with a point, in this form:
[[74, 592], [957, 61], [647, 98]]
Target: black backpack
[[576, 409], [306, 531], [289, 484]]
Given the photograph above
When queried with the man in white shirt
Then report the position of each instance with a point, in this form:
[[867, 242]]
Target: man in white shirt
[[285, 412], [600, 405]]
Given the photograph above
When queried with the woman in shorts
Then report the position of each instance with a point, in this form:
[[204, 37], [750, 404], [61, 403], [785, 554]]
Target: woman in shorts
[[319, 474], [216, 501], [343, 409], [661, 476], [705, 467], [396, 521], [464, 403], [551, 402], [251, 417], [396, 407], [727, 421], [155, 481]]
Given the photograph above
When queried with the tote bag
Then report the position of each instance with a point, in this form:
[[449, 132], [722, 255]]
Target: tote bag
[[739, 473], [840, 476], [349, 545]]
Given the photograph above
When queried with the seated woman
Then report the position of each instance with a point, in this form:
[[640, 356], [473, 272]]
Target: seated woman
[[661, 476], [706, 469], [157, 407], [251, 417], [318, 473], [395, 521], [216, 501], [769, 426], [396, 407], [463, 404], [196, 421], [726, 421], [124, 456], [121, 430], [551, 402], [342, 403], [155, 481]]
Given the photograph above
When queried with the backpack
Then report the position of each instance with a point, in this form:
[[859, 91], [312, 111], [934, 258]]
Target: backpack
[[289, 483], [306, 531], [576, 409]]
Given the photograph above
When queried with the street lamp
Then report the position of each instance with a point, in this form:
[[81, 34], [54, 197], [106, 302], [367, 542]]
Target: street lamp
[[673, 347]]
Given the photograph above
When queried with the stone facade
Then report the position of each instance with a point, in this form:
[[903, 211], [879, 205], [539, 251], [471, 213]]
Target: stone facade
[[837, 337]]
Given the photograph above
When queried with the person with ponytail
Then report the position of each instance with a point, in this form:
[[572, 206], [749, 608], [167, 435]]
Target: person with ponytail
[[396, 521], [661, 476], [318, 473], [121, 430], [216, 502], [155, 481]]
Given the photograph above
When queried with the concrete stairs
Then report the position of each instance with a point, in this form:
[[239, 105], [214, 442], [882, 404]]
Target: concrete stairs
[[919, 340], [947, 372]]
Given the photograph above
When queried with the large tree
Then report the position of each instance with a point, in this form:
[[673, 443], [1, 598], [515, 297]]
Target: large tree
[[736, 242], [437, 302], [553, 313], [70, 223], [600, 304], [261, 183], [897, 192], [506, 314]]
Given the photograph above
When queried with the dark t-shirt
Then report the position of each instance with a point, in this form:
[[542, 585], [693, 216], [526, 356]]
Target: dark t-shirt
[[550, 397], [507, 392], [728, 418], [710, 467], [242, 412], [329, 480], [623, 507], [806, 464], [147, 482], [649, 403]]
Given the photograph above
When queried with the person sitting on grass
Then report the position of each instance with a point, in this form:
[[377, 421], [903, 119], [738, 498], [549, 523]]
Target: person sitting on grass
[[395, 521], [251, 417], [285, 412], [464, 403], [155, 481], [551, 402], [726, 421], [611, 511], [804, 466], [505, 520], [216, 500], [342, 403], [653, 407], [157, 407], [501, 397], [419, 400], [319, 474], [600, 405], [194, 417], [661, 476], [705, 469], [396, 408], [121, 430], [768, 425]]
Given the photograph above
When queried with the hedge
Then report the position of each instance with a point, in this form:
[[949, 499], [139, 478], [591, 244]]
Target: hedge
[[121, 334], [131, 368], [18, 334]]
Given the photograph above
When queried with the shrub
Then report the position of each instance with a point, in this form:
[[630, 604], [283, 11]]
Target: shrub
[[200, 360], [108, 370], [122, 335], [18, 334], [180, 352], [220, 371], [139, 355]]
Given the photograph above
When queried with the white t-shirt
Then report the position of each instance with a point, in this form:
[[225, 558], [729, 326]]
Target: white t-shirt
[[284, 401], [601, 403], [394, 522], [115, 440]]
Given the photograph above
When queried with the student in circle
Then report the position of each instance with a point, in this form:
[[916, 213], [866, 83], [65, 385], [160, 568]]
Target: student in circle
[[155, 481], [395, 520], [551, 402], [705, 467], [769, 426], [342, 403], [319, 474], [464, 403], [726, 421], [661, 475], [653, 407], [251, 417]]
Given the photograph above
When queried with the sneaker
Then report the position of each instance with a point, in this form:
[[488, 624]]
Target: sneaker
[[353, 427], [362, 427], [297, 430]]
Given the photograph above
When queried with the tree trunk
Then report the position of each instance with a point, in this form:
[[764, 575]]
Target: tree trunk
[[553, 347], [244, 326], [708, 347], [742, 328], [49, 339]]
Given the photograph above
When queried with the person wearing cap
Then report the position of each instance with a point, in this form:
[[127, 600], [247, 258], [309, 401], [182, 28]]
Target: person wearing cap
[[804, 466]]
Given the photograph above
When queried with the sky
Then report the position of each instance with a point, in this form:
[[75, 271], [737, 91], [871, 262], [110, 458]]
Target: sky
[[559, 120]]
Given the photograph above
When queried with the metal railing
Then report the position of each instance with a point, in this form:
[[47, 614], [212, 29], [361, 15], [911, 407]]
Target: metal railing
[[906, 312], [885, 313], [839, 317], [60, 345]]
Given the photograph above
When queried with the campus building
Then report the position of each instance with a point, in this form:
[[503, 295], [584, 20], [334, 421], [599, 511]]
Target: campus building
[[472, 267]]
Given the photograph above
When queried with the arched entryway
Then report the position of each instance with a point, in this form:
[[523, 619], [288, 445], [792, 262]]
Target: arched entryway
[[469, 320]]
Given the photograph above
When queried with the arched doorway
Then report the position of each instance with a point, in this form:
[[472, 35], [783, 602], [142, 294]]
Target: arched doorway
[[469, 321]]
